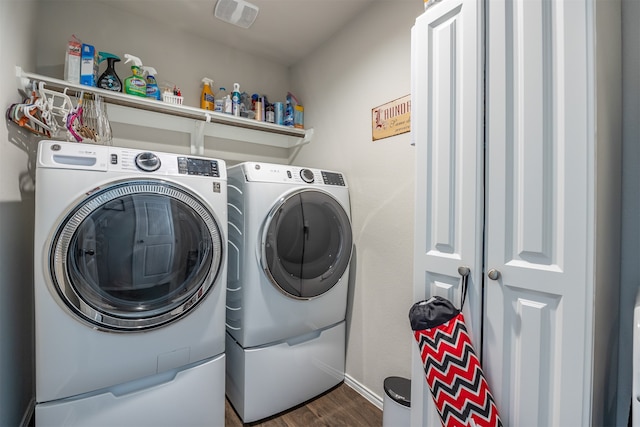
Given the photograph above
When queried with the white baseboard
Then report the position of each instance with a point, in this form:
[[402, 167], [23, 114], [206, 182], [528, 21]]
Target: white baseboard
[[364, 391]]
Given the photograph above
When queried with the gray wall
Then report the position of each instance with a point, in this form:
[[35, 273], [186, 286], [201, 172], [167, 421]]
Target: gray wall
[[630, 280], [16, 222]]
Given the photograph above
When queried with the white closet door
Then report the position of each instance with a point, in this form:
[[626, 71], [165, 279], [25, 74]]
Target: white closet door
[[537, 329], [447, 128]]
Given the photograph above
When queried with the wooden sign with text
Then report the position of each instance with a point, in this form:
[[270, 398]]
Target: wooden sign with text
[[392, 118]]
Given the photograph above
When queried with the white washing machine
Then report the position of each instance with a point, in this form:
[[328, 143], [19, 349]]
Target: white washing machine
[[129, 285], [290, 245]]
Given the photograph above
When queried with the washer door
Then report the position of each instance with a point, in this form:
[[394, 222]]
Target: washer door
[[306, 244], [136, 255]]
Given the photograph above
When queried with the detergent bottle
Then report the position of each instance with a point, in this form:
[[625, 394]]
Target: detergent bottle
[[220, 99], [207, 101], [109, 80], [135, 84], [152, 85], [235, 99]]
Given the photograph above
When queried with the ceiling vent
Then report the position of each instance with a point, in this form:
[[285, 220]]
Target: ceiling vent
[[236, 12]]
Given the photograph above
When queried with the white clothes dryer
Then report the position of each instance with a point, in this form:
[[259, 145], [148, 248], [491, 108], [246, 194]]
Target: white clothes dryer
[[129, 287], [290, 245]]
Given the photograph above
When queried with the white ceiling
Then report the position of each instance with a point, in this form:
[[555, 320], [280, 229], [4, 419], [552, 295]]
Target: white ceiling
[[285, 31]]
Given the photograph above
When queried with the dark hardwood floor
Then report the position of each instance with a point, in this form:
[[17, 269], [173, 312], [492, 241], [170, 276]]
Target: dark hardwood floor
[[340, 406]]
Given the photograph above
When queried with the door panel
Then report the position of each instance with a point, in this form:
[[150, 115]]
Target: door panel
[[154, 241], [447, 99], [535, 348]]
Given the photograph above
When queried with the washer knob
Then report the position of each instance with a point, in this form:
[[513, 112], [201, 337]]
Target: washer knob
[[307, 175], [147, 162]]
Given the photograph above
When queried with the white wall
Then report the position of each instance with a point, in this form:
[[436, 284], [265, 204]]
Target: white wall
[[16, 222], [178, 57], [363, 66]]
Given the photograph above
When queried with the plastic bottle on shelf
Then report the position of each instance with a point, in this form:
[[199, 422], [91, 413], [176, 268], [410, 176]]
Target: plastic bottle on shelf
[[207, 100], [153, 91], [258, 106], [269, 113], [288, 113], [219, 100], [109, 80], [135, 84], [235, 99], [278, 110], [228, 105]]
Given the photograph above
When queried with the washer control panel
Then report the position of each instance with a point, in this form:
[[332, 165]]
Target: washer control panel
[[201, 167], [67, 155]]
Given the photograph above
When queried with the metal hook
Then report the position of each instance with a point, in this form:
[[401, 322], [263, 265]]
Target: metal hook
[[463, 271]]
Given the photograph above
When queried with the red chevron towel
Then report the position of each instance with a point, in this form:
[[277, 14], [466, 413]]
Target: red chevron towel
[[453, 372]]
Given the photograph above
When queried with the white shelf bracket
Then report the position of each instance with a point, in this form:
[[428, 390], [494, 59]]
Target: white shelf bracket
[[197, 138], [308, 136], [22, 82]]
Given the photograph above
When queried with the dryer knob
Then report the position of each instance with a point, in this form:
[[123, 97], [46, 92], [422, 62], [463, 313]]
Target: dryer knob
[[147, 162], [307, 175]]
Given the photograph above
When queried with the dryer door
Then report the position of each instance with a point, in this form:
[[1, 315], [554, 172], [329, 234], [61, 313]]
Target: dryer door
[[306, 244], [136, 255]]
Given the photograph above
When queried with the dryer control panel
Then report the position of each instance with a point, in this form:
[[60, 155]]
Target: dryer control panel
[[333, 178], [268, 172]]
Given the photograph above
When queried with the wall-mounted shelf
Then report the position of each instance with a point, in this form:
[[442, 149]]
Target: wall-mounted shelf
[[134, 110]]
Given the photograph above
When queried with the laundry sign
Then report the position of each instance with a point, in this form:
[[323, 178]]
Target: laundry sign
[[392, 118]]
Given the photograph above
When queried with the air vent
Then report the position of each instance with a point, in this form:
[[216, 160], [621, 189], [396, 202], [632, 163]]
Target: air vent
[[236, 12]]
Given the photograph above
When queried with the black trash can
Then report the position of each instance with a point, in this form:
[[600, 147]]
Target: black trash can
[[396, 407]]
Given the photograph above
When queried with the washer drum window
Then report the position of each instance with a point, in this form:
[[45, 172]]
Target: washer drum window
[[136, 255], [306, 244]]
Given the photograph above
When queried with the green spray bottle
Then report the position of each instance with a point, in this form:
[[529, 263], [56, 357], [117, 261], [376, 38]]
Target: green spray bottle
[[135, 84], [109, 80]]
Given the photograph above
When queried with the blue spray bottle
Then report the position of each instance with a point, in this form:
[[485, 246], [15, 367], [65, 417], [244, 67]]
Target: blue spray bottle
[[288, 112], [152, 85]]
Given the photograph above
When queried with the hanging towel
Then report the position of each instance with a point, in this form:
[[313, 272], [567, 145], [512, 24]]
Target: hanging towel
[[452, 369]]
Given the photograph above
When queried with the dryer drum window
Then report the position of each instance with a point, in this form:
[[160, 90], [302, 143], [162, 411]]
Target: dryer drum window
[[136, 255], [306, 244]]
